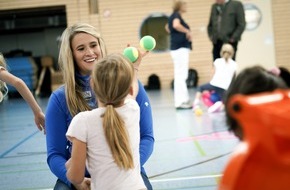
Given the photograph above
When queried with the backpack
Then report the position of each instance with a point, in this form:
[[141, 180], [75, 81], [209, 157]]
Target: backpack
[[191, 80], [153, 82]]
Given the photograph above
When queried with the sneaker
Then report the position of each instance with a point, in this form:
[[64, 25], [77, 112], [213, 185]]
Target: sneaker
[[185, 105], [218, 106]]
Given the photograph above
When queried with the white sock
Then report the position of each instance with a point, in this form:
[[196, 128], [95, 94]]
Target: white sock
[[196, 102]]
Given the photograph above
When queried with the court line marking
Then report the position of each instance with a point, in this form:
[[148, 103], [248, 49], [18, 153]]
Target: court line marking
[[199, 148], [24, 171], [185, 167], [224, 135], [185, 178], [18, 144]]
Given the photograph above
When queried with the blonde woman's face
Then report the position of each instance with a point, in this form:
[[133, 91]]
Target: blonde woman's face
[[183, 7], [86, 51]]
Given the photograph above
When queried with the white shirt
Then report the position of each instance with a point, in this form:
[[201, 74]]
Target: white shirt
[[224, 72], [105, 174]]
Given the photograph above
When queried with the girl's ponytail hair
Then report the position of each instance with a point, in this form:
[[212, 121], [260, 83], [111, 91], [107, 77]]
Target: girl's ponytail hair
[[112, 78]]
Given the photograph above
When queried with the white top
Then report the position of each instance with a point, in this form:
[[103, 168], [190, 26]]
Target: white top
[[224, 72], [105, 174]]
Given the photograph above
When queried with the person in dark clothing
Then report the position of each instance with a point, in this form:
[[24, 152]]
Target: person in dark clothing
[[226, 25], [180, 46]]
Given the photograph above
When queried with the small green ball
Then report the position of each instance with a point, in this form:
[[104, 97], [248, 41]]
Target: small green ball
[[148, 43], [131, 53]]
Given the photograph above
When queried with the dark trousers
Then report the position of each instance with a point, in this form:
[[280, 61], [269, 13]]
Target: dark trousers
[[59, 185], [63, 186], [216, 51], [210, 87]]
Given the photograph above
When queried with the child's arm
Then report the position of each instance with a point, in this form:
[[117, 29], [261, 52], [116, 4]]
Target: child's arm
[[136, 69], [24, 91], [135, 85], [77, 163]]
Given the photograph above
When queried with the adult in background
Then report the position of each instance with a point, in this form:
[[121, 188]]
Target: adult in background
[[81, 47], [226, 25], [180, 46]]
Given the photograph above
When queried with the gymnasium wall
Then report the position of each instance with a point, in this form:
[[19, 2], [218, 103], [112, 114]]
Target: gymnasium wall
[[281, 27], [119, 23]]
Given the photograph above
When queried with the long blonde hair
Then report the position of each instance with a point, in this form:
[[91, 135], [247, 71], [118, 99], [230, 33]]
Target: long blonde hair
[[73, 90], [3, 86], [111, 81]]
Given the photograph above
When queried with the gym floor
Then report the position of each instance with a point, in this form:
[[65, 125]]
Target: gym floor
[[190, 151]]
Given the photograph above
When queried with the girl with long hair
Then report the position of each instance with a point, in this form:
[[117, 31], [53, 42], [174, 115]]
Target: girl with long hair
[[108, 136]]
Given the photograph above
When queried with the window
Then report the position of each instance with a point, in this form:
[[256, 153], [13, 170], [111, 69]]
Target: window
[[253, 16], [154, 25]]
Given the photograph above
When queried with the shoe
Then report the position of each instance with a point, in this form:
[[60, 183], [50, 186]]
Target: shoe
[[183, 106], [217, 107]]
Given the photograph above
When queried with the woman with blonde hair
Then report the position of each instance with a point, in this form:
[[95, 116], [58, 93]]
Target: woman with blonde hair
[[108, 136], [6, 77], [224, 71], [80, 49]]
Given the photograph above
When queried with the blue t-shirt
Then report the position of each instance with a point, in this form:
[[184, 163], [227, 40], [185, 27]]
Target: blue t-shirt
[[58, 118], [178, 39]]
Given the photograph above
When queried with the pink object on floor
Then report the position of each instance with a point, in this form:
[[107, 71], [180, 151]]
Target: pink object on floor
[[218, 106], [206, 98]]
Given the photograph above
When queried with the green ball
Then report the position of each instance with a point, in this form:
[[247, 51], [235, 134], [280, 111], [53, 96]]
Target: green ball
[[131, 53], [148, 43]]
